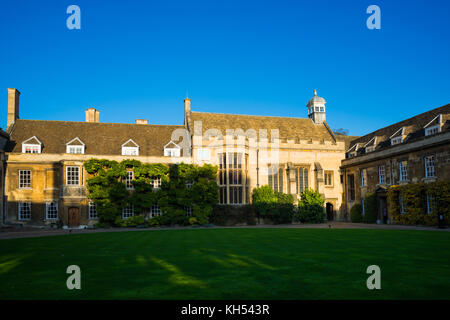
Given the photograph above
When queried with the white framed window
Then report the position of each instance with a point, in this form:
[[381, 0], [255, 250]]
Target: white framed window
[[24, 210], [155, 211], [396, 140], [362, 173], [51, 210], [189, 183], [188, 210], [75, 146], [128, 211], [32, 145], [156, 183], [203, 154], [381, 175], [430, 203], [403, 170], [429, 167], [24, 179], [363, 207], [130, 148], [73, 175], [129, 180], [370, 149], [432, 130], [93, 210], [171, 152], [370, 146]]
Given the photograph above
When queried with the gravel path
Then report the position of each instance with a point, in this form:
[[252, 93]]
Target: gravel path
[[27, 232]]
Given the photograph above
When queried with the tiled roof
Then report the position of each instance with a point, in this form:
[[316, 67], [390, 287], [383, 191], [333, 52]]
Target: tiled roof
[[414, 128], [289, 128], [99, 138]]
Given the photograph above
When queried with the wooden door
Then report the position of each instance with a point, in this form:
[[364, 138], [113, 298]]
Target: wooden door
[[74, 217]]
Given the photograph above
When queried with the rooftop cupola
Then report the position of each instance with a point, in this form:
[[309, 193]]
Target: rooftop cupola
[[316, 109]]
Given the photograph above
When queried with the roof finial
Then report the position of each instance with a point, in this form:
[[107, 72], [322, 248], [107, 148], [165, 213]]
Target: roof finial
[[315, 92]]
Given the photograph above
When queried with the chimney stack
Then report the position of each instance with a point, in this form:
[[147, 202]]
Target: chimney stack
[[187, 105], [13, 106], [141, 121], [92, 115]]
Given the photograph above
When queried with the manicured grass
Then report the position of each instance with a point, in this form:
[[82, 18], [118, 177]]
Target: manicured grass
[[229, 264]]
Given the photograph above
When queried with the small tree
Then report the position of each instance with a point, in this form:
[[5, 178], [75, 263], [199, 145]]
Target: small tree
[[356, 213], [310, 207], [264, 199]]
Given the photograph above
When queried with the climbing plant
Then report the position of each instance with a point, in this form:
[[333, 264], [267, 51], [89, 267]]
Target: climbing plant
[[182, 186]]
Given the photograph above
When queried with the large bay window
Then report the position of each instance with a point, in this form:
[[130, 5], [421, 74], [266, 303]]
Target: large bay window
[[232, 178]]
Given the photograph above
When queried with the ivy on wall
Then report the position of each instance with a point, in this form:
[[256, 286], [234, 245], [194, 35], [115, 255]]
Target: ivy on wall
[[182, 185], [414, 198]]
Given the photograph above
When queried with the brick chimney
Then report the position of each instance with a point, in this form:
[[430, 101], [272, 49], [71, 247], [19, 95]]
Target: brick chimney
[[92, 115], [141, 121], [13, 106]]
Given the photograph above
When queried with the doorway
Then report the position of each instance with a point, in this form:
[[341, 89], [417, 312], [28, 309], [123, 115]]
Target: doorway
[[329, 209], [74, 217]]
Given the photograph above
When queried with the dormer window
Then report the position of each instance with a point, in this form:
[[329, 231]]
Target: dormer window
[[75, 146], [172, 150], [32, 145], [352, 152], [130, 148], [434, 126], [397, 137], [370, 146]]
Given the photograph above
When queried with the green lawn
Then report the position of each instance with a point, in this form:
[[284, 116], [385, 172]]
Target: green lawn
[[229, 264]]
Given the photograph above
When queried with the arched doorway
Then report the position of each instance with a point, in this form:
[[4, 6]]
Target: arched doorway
[[329, 210]]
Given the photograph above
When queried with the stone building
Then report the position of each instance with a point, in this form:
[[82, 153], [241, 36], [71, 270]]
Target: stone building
[[45, 179], [410, 151]]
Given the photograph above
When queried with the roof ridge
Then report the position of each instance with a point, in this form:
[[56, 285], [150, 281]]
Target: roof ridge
[[249, 115], [102, 123]]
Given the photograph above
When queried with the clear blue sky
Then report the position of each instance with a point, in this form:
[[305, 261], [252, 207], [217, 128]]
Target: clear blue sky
[[137, 59]]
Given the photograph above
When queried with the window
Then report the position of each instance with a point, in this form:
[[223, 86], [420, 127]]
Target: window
[[232, 178], [189, 183], [370, 146], [72, 176], [275, 176], [31, 145], [370, 149], [24, 210], [127, 211], [328, 175], [25, 179], [130, 148], [129, 180], [51, 210], [363, 174], [429, 167], [155, 211], [156, 183], [171, 152], [93, 210], [203, 154], [400, 203], [363, 207], [432, 130], [396, 140], [381, 175], [301, 179], [351, 187], [75, 149], [431, 201], [188, 211], [75, 146], [403, 170], [31, 148]]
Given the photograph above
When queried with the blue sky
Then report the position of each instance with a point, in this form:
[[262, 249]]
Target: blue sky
[[137, 59]]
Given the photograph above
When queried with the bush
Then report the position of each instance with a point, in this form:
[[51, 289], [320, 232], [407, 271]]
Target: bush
[[229, 215], [356, 213], [371, 208], [154, 222], [193, 221], [310, 208], [263, 199], [134, 221], [202, 214], [282, 213]]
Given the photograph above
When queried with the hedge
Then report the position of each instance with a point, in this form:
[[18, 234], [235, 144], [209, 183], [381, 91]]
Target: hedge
[[415, 203], [370, 208], [356, 213], [229, 215]]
